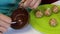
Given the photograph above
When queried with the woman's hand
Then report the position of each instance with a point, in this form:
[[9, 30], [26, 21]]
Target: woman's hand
[[5, 22], [33, 4]]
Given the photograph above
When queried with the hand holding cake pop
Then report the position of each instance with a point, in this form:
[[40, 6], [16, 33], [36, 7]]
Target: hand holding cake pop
[[30, 3], [5, 22]]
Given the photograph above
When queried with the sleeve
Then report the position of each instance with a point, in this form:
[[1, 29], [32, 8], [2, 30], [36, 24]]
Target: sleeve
[[8, 6]]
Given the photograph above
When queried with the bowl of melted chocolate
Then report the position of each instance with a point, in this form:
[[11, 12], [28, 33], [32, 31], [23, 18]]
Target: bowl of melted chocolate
[[21, 17]]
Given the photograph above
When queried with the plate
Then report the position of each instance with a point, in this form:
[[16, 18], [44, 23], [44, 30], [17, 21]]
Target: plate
[[42, 24]]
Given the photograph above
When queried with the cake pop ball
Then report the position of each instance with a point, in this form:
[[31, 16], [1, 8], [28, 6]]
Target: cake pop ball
[[53, 22], [20, 16]]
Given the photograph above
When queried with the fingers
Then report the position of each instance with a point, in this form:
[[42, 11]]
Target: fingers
[[0, 33], [33, 4], [36, 4], [21, 4], [5, 18], [5, 23], [23, 0], [27, 3], [2, 29]]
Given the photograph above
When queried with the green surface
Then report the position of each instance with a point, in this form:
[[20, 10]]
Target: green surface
[[42, 24]]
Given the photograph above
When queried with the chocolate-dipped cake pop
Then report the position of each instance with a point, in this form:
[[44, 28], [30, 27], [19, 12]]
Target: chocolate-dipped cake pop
[[20, 16]]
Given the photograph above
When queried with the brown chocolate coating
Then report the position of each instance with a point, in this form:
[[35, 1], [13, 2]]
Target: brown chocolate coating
[[20, 16]]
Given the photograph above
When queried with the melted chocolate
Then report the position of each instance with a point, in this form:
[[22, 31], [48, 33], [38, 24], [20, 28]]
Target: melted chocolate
[[20, 16]]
